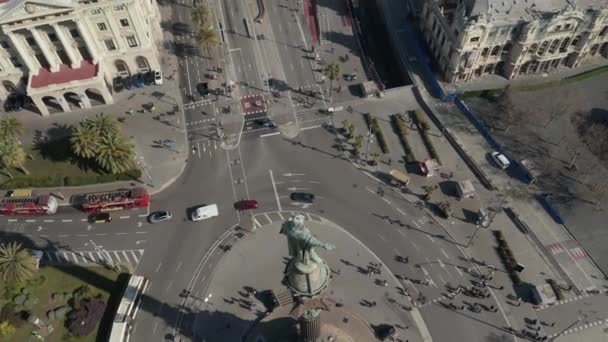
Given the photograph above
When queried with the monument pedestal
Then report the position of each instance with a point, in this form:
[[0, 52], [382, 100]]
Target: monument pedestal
[[307, 279]]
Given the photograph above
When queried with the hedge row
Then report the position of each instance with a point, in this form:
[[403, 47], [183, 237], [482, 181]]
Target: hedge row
[[399, 122], [508, 259], [57, 181], [559, 294], [424, 126], [373, 123]]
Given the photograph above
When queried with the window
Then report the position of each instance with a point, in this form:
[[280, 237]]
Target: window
[[604, 31], [474, 40], [124, 22], [568, 26], [558, 28], [101, 26], [74, 33], [31, 41], [16, 62], [484, 52], [132, 41], [119, 7], [52, 37], [96, 11], [110, 44], [4, 44]]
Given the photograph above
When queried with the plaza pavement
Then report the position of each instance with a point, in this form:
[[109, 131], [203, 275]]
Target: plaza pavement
[[257, 261]]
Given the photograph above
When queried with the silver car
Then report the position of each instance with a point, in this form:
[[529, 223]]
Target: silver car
[[160, 216]]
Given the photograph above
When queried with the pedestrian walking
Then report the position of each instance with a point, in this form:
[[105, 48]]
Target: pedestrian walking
[[374, 303], [552, 324], [406, 260]]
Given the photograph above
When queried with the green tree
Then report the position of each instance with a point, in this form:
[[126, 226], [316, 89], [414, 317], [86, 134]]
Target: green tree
[[13, 156], [200, 16], [358, 143], [103, 125], [10, 128], [7, 329], [332, 71], [115, 154], [207, 37], [375, 157], [84, 141], [16, 262]]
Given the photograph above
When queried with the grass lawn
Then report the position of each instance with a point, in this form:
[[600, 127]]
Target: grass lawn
[[101, 281]]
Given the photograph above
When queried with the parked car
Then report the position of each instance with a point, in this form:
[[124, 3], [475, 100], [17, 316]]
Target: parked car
[[118, 84], [303, 197], [138, 80], [128, 82], [160, 216], [100, 218], [385, 332], [16, 102], [203, 88], [350, 77], [149, 78], [158, 77], [246, 205], [265, 122], [37, 254], [500, 160]]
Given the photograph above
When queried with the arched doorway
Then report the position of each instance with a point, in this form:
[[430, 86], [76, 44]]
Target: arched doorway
[[73, 100], [9, 86], [122, 68], [95, 96], [52, 104], [142, 64], [593, 50], [604, 50]]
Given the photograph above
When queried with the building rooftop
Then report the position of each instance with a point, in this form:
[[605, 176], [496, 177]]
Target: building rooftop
[[516, 9], [65, 74]]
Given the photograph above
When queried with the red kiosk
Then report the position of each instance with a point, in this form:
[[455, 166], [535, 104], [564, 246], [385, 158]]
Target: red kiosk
[[428, 167]]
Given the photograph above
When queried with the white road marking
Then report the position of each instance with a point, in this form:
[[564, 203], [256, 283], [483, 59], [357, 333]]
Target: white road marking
[[63, 235], [385, 200], [12, 220], [141, 232], [401, 232], [269, 134], [441, 263], [101, 234], [445, 254], [30, 220], [281, 216], [382, 237], [311, 127], [66, 220], [124, 217], [49, 220], [178, 266], [401, 212], [276, 194], [83, 220], [121, 234], [158, 267], [430, 238], [413, 244], [255, 222], [458, 270], [416, 224]]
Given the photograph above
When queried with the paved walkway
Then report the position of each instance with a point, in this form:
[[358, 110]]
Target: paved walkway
[[266, 263]]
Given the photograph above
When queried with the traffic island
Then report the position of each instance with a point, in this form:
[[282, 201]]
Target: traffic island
[[276, 295]]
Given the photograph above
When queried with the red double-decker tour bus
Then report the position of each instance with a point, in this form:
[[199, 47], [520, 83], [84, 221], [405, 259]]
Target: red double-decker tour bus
[[116, 200], [23, 202]]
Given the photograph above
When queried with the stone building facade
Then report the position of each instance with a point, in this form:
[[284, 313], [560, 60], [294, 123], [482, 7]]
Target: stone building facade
[[64, 54], [513, 38]]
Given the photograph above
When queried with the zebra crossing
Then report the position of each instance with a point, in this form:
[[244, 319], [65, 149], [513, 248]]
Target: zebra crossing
[[119, 257], [558, 248]]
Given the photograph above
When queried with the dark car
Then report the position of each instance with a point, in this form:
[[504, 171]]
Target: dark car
[[149, 77], [304, 197], [138, 80], [246, 205], [118, 84], [385, 331], [160, 216], [265, 122], [100, 218], [203, 88], [16, 102], [128, 82]]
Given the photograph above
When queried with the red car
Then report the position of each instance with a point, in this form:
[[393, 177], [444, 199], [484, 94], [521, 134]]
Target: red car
[[246, 205]]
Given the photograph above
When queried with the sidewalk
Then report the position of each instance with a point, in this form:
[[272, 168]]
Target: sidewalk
[[160, 165]]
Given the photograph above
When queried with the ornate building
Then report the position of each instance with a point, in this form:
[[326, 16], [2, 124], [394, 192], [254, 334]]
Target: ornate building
[[65, 53], [513, 38]]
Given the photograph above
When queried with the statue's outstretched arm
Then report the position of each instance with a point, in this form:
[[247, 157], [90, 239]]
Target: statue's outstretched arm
[[314, 242]]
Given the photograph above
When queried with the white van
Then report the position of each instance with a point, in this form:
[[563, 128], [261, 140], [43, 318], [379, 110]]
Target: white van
[[204, 212]]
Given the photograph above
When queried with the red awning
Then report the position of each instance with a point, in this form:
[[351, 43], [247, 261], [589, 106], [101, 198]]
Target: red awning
[[65, 74]]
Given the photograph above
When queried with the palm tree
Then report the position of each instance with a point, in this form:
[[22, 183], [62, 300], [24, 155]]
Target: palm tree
[[332, 71], [16, 262], [10, 128], [103, 125], [13, 156], [84, 141], [114, 154], [200, 16], [207, 37]]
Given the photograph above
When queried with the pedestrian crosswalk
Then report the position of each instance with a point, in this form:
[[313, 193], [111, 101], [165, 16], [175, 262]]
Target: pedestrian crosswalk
[[576, 252], [129, 258], [555, 248]]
